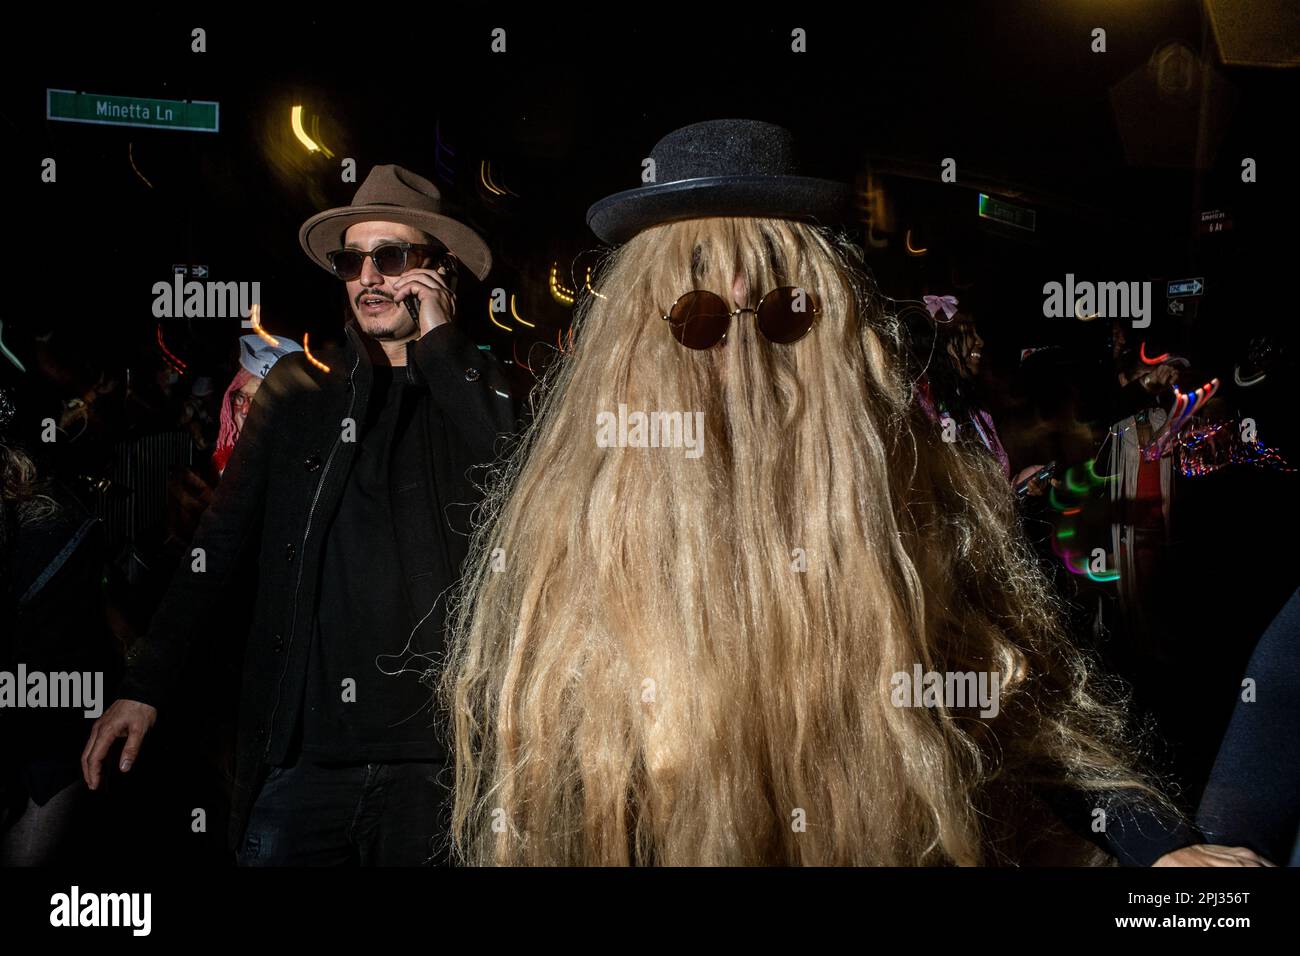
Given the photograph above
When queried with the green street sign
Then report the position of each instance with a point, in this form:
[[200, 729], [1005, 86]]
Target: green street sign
[[198, 116], [1004, 212]]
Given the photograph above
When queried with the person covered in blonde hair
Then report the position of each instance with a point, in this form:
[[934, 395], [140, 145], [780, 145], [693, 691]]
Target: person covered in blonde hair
[[731, 548]]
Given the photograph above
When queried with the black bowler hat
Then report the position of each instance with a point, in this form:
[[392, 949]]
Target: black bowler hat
[[725, 167]]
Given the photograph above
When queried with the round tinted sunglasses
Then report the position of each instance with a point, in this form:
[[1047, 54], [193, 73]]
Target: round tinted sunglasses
[[700, 319], [390, 259]]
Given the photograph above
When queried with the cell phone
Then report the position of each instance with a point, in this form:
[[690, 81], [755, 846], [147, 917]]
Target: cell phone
[[447, 266], [1045, 472]]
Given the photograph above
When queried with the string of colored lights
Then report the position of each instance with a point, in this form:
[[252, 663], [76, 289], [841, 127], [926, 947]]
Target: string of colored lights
[[1185, 406], [1210, 447]]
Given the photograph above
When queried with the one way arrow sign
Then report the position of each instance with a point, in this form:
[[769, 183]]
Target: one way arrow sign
[[1184, 287]]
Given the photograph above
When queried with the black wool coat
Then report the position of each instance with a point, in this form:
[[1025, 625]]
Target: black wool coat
[[277, 496]]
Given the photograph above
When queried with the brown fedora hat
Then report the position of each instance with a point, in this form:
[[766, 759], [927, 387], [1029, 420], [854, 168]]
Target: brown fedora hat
[[393, 194]]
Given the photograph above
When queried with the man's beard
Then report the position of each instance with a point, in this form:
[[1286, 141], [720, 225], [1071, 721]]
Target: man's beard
[[394, 325]]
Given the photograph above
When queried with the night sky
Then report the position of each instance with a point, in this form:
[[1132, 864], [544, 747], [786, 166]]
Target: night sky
[[1103, 146]]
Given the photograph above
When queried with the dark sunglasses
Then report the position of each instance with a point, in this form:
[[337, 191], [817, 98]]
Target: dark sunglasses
[[390, 259], [700, 319]]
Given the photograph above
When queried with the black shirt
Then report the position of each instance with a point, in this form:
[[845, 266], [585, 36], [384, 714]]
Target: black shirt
[[370, 669]]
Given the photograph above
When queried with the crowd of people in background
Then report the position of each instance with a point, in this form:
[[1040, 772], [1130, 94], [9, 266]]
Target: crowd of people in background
[[97, 514], [79, 591]]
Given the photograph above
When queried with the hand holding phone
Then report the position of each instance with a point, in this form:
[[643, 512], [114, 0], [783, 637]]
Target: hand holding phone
[[1042, 474], [445, 266]]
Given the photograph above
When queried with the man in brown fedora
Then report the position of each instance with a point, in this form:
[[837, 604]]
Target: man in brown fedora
[[350, 491]]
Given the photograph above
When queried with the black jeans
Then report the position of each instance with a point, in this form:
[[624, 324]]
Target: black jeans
[[371, 814], [34, 836]]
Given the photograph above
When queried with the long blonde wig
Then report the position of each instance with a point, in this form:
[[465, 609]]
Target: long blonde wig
[[661, 659]]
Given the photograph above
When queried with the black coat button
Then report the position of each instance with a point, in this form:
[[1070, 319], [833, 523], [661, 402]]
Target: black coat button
[[289, 551], [471, 374], [312, 463], [277, 643]]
